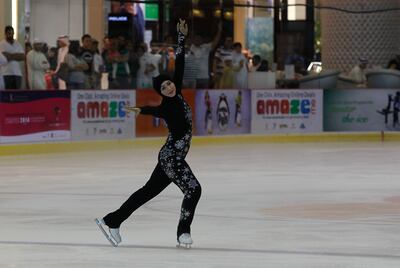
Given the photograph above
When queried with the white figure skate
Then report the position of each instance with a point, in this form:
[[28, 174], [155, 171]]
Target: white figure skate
[[185, 241], [112, 235]]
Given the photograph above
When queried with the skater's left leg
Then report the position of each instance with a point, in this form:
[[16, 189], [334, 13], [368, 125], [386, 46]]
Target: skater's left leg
[[191, 189], [188, 209], [176, 168]]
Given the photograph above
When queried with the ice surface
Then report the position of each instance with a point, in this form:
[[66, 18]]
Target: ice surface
[[263, 205]]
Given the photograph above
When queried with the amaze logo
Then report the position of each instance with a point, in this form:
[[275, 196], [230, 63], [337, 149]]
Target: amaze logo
[[286, 106], [94, 109]]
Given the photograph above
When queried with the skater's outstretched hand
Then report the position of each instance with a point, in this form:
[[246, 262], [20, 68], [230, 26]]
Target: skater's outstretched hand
[[182, 27], [136, 110]]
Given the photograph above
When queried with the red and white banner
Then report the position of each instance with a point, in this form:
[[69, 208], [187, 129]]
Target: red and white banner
[[286, 111], [34, 116], [101, 115]]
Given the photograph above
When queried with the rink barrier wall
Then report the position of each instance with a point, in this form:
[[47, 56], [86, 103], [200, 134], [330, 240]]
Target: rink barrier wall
[[37, 122], [93, 146]]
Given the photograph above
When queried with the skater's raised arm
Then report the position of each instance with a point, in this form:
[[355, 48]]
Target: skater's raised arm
[[182, 29]]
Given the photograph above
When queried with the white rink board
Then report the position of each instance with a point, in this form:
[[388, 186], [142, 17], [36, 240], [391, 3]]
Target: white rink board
[[101, 115]]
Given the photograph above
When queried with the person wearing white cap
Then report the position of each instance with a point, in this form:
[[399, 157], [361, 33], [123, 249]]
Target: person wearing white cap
[[63, 43], [357, 74], [37, 66], [14, 53]]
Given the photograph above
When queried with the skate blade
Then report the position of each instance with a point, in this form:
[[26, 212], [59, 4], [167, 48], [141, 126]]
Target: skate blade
[[112, 242], [184, 246]]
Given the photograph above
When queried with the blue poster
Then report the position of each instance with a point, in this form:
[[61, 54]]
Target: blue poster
[[260, 37]]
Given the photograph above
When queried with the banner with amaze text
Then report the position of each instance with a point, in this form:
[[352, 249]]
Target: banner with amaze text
[[101, 115], [34, 116], [286, 111]]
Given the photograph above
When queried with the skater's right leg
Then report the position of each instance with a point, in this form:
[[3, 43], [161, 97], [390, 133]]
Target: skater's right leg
[[156, 184]]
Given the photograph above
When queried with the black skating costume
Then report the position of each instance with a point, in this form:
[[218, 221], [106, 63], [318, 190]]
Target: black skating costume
[[171, 166]]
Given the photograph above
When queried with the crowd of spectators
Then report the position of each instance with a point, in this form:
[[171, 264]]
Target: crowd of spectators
[[121, 64]]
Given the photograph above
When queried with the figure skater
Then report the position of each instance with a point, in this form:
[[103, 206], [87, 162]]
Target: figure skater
[[171, 166]]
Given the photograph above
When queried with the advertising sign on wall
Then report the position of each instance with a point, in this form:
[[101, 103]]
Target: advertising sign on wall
[[286, 111], [101, 115], [362, 110], [260, 36], [222, 112], [149, 126], [34, 116]]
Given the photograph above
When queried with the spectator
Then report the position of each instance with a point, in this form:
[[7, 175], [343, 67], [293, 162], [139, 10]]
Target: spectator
[[191, 70], [144, 75], [110, 56], [317, 55], [299, 69], [255, 63], [156, 59], [3, 62], [52, 58], [222, 52], [14, 53], [88, 55], [358, 72], [51, 78], [240, 61], [62, 44], [104, 54], [76, 65], [106, 46], [201, 52], [169, 40], [118, 56], [45, 49], [98, 65], [263, 67], [394, 63], [28, 47], [133, 63], [37, 66], [227, 80], [168, 56], [295, 58]]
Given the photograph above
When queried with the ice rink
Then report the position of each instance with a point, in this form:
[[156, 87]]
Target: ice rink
[[263, 205]]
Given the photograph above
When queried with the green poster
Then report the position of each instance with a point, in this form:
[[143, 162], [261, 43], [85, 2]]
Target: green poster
[[361, 110], [151, 11]]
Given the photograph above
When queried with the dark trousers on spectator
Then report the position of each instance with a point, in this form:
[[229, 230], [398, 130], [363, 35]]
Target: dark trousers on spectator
[[121, 82], [203, 83], [12, 81], [90, 81], [75, 85]]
